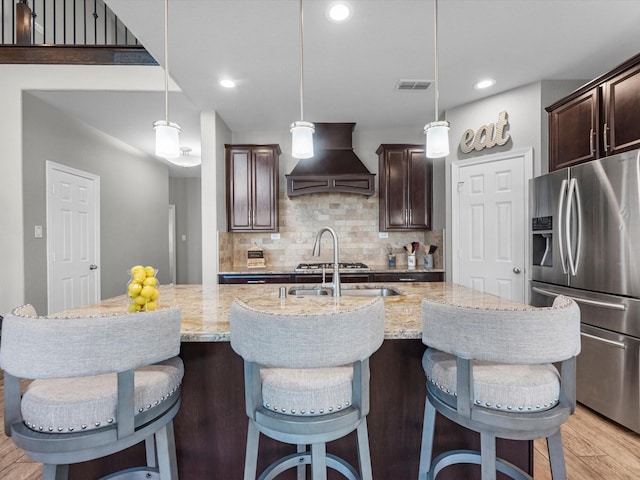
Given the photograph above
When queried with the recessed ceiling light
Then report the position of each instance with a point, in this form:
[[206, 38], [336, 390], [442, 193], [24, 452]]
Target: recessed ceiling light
[[339, 11], [227, 83], [482, 84]]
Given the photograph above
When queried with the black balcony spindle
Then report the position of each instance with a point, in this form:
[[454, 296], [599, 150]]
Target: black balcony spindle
[[55, 2], [95, 23], [62, 22], [84, 16], [13, 23], [34, 15]]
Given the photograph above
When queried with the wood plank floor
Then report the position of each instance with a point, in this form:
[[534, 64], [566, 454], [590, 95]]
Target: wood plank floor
[[594, 448]]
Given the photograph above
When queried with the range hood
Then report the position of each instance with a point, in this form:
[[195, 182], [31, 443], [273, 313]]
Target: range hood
[[334, 167]]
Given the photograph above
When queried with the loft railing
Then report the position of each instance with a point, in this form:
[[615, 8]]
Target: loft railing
[[85, 32]]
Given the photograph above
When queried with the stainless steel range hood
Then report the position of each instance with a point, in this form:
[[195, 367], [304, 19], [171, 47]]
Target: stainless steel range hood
[[334, 167]]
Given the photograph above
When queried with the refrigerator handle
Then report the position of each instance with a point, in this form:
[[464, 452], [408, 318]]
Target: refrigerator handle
[[604, 340], [579, 230], [563, 191], [573, 197], [586, 301]]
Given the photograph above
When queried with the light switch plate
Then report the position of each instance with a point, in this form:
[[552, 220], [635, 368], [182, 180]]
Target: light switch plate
[[383, 234], [37, 231], [275, 236]]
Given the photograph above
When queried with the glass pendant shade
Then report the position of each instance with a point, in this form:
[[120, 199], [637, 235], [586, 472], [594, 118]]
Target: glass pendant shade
[[302, 139], [437, 139], [186, 159], [167, 139]]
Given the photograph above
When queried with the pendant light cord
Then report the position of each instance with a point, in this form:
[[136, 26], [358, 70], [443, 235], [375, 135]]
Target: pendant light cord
[[301, 64], [435, 43], [166, 61]]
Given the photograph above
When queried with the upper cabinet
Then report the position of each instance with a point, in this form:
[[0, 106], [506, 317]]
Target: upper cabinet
[[599, 119], [405, 176], [252, 187]]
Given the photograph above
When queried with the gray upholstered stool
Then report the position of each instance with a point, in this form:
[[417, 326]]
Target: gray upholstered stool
[[491, 371], [307, 383], [100, 385]]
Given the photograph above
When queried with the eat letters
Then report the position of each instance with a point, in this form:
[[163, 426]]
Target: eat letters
[[485, 136]]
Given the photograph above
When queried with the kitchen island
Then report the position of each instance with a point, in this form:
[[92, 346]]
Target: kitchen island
[[211, 426]]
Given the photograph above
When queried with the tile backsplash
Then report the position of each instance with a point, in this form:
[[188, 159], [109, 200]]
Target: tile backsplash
[[354, 218]]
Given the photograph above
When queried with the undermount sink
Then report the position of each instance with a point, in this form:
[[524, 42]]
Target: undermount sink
[[370, 291], [348, 291], [299, 291]]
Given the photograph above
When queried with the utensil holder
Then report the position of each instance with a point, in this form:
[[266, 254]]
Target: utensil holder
[[411, 261], [428, 261]]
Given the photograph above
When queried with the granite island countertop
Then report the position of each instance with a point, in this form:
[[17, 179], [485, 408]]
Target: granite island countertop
[[205, 310]]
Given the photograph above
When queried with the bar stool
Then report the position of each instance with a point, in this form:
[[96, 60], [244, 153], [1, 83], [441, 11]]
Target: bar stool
[[307, 383], [100, 385], [491, 371]]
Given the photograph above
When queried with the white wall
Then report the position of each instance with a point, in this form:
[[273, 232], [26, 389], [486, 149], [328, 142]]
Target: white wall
[[133, 198], [214, 134], [527, 128], [15, 80]]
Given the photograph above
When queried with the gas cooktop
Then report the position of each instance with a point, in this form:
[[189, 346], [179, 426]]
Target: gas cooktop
[[305, 267]]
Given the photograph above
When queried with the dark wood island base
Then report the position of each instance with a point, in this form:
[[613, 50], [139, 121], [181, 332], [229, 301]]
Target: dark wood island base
[[210, 428]]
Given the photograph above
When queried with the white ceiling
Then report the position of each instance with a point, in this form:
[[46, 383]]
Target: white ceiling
[[351, 69]]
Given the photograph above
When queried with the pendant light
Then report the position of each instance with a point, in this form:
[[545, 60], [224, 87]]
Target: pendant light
[[302, 132], [167, 133], [437, 132]]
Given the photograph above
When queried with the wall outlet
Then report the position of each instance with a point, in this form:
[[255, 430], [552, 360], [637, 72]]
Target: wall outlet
[[275, 236], [383, 234]]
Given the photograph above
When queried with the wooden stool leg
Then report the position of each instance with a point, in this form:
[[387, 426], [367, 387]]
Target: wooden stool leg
[[488, 453], [556, 456], [428, 427], [55, 472], [166, 453], [319, 461], [251, 456], [150, 449], [364, 455], [302, 469]]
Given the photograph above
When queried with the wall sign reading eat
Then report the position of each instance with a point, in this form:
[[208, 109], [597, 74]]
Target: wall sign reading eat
[[487, 136]]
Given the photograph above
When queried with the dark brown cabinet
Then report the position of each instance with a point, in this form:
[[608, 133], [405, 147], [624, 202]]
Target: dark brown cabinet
[[622, 112], [344, 278], [252, 187], [405, 188], [408, 277], [601, 118], [573, 131], [363, 277], [247, 278]]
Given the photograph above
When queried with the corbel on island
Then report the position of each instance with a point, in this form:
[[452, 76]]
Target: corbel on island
[[210, 427]]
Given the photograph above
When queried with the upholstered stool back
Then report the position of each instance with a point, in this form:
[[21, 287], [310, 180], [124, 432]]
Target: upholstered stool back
[[491, 371], [307, 382], [99, 385]]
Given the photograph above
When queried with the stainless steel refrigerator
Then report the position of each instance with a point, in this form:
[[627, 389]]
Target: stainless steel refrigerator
[[585, 243]]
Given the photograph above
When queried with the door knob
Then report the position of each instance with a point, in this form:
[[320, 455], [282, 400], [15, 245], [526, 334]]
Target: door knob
[[516, 270], [93, 267]]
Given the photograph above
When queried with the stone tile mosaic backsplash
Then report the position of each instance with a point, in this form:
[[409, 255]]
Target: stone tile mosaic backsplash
[[354, 218]]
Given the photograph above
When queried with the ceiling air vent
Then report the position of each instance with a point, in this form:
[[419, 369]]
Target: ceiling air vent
[[412, 84]]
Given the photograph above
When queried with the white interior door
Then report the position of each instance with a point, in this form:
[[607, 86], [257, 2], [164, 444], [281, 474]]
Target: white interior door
[[73, 237], [490, 223]]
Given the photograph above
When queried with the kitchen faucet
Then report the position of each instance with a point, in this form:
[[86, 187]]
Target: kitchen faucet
[[336, 261]]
